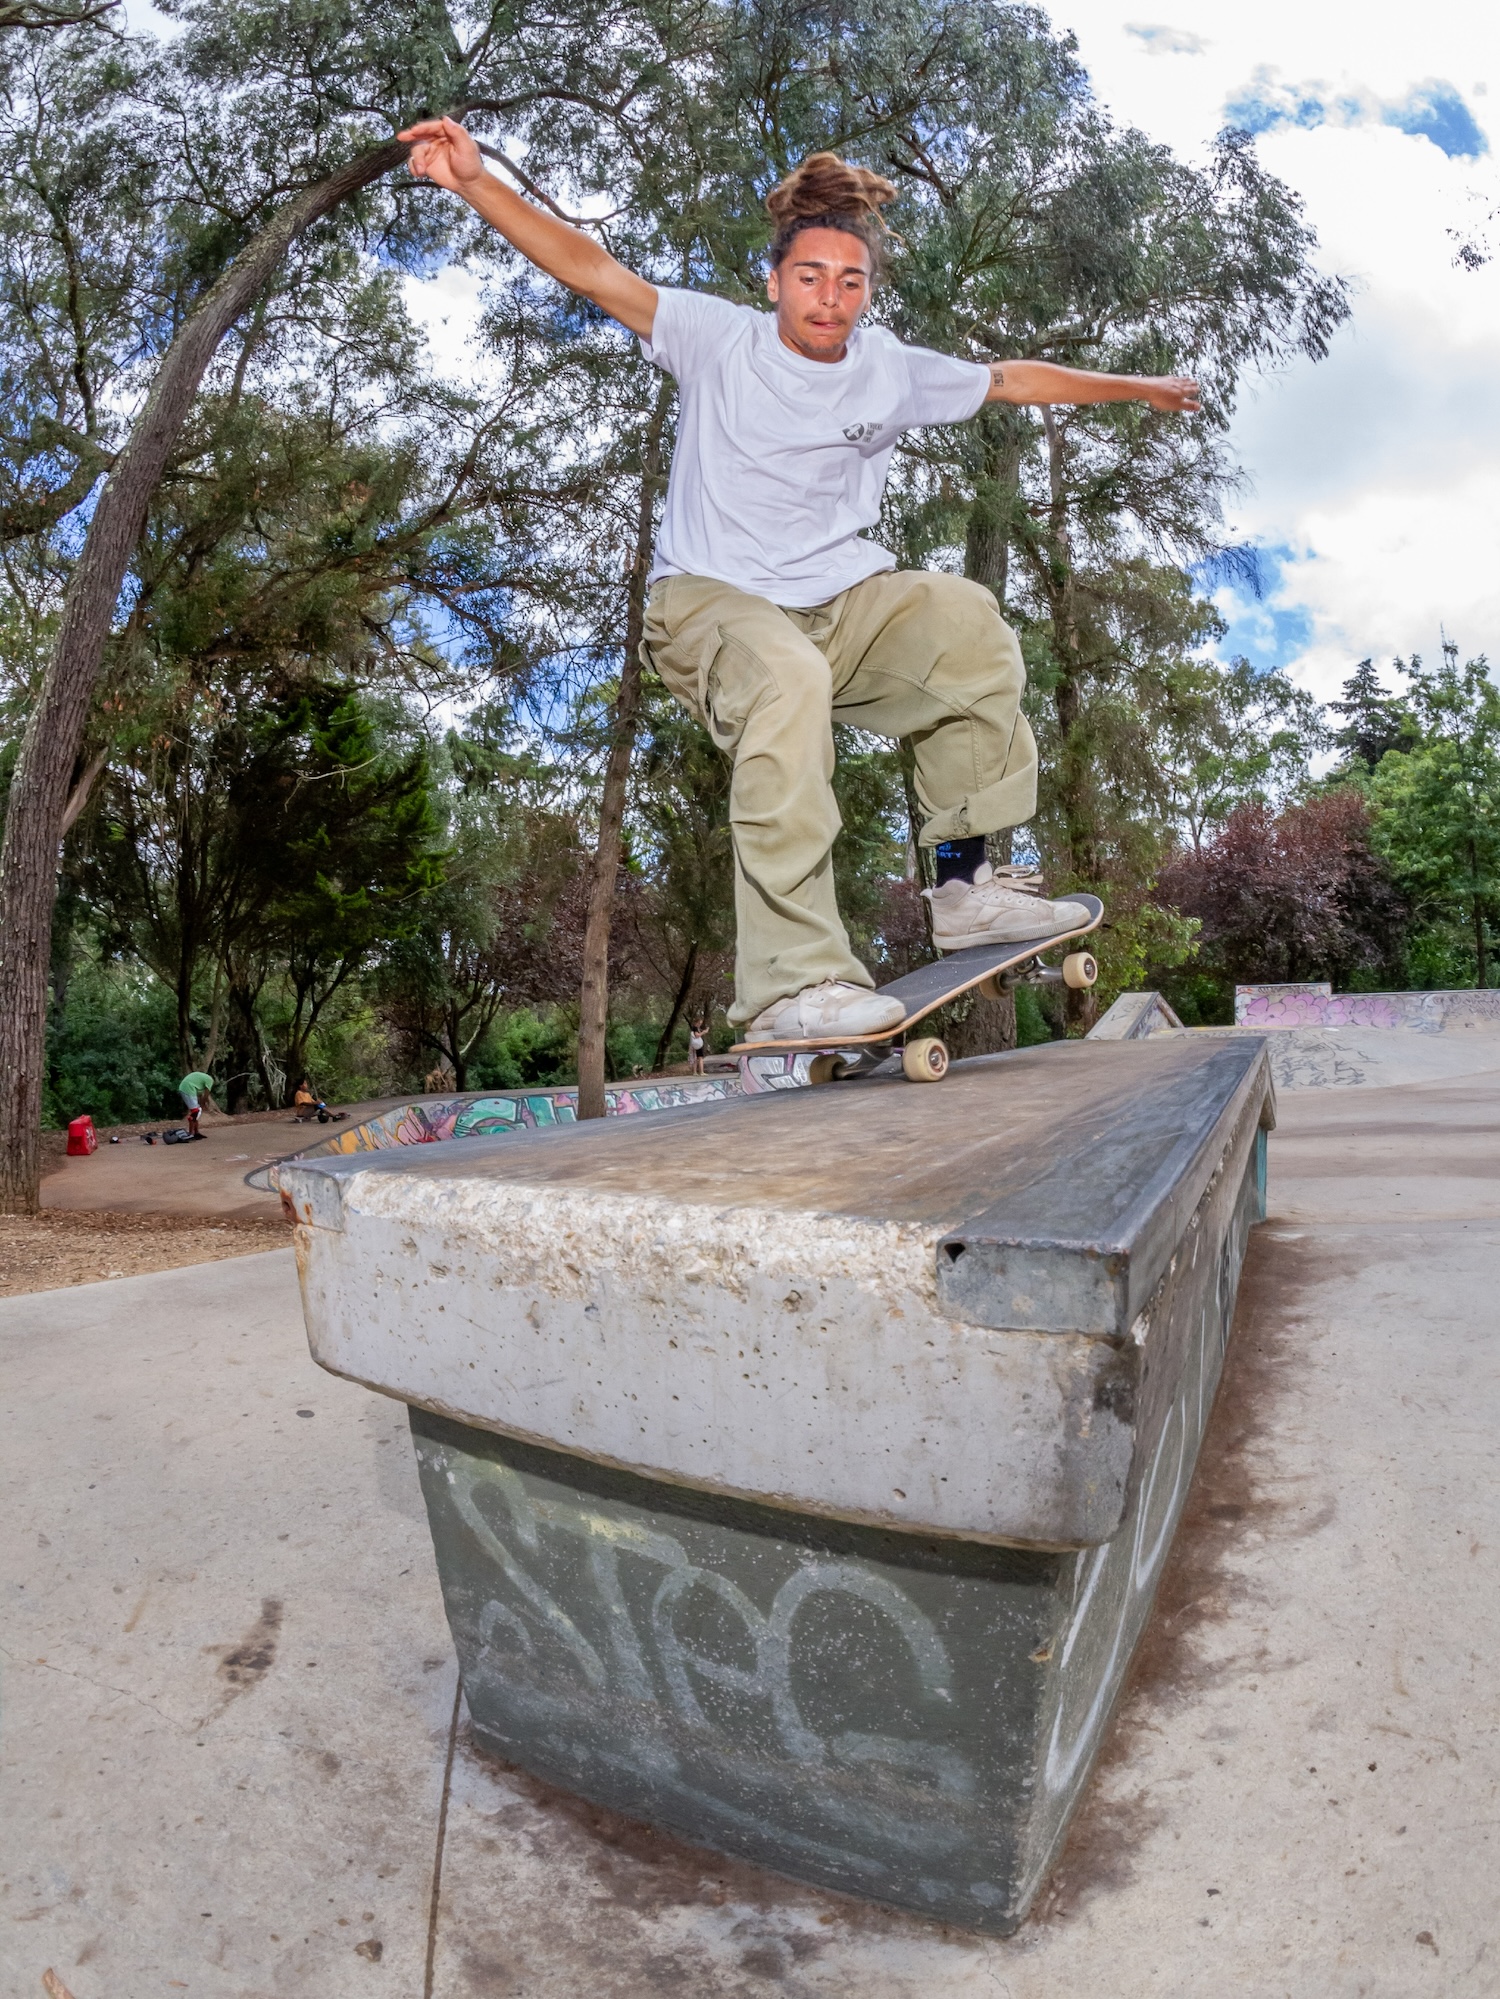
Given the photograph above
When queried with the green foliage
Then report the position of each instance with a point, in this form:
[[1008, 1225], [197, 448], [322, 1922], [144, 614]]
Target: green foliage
[[526, 1047], [1437, 812], [1197, 997], [110, 1048], [1033, 1025], [871, 850], [1374, 722]]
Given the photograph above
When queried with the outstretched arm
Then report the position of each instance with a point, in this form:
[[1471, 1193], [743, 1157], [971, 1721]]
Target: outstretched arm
[[442, 151], [1043, 382]]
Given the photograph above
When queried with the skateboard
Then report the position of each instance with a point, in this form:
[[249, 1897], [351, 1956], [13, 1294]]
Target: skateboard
[[989, 967]]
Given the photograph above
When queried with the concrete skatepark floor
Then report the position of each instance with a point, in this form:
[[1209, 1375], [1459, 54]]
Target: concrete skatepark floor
[[226, 1713]]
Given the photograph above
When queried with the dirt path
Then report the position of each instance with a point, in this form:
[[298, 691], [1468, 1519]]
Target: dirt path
[[59, 1247], [132, 1207], [205, 1179]]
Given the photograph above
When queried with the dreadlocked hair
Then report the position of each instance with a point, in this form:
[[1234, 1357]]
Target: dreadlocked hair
[[825, 192]]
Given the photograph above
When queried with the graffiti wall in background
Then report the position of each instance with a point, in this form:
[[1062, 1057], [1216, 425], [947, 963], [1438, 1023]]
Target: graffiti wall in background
[[1319, 1006], [430, 1119]]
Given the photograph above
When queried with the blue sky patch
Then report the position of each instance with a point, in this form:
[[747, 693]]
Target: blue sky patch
[[1433, 110], [1242, 582], [1436, 111]]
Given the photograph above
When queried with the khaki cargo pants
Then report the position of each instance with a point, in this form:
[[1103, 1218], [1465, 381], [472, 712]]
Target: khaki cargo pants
[[907, 653], [901, 654]]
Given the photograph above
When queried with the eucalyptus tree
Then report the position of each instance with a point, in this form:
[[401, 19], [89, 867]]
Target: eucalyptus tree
[[1220, 737], [269, 126], [290, 548], [501, 931], [39, 17]]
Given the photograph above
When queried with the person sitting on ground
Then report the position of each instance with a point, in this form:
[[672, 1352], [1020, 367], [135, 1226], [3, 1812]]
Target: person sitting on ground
[[771, 611], [304, 1104], [196, 1090]]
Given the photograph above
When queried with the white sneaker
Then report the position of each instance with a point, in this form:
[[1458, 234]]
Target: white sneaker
[[1002, 906], [823, 1013]]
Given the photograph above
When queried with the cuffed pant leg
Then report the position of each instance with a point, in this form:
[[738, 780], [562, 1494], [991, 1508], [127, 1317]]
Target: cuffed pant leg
[[764, 692], [928, 656]]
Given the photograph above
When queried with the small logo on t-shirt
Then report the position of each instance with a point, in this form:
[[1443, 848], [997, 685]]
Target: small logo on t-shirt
[[858, 432]]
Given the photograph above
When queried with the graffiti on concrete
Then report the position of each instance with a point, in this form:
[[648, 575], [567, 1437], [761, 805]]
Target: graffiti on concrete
[[1319, 1006], [644, 1654]]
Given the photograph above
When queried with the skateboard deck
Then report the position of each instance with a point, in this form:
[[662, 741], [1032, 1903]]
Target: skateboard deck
[[921, 992]]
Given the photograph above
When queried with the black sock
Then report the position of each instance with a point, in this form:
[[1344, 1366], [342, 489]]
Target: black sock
[[958, 859]]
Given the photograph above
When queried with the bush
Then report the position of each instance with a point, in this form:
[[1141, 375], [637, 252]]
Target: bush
[[1197, 998], [1292, 896], [111, 1049], [1032, 1023], [527, 1047]]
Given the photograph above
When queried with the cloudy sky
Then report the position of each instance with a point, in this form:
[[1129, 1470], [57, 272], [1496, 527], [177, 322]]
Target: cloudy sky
[[1375, 475]]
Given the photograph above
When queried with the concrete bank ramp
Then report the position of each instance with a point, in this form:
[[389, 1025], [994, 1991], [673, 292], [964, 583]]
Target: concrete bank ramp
[[1329, 1058], [1429, 1038]]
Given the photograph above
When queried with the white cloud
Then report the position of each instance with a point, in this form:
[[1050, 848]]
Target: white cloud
[[1164, 41], [447, 307], [1375, 475]]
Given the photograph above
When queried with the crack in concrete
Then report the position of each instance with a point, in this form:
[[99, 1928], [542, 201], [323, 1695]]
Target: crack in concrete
[[435, 1904], [102, 1686]]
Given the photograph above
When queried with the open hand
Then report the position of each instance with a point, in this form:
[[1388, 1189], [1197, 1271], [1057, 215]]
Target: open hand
[[442, 151], [1170, 392]]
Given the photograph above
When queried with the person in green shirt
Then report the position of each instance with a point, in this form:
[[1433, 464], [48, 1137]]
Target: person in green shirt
[[190, 1089]]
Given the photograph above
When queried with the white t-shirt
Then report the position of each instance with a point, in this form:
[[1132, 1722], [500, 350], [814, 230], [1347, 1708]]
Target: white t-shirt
[[781, 461]]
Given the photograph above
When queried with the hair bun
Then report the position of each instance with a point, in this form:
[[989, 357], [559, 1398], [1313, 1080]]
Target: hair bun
[[826, 185]]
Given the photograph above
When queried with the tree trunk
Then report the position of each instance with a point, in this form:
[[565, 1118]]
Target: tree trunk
[[54, 733], [459, 1052], [1074, 780], [684, 987], [979, 1025], [987, 538], [184, 989], [976, 1025], [593, 1011]]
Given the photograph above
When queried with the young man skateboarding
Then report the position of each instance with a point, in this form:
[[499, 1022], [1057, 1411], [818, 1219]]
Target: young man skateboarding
[[770, 610]]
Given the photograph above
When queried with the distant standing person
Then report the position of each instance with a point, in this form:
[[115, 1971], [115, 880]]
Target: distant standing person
[[191, 1089], [695, 1049]]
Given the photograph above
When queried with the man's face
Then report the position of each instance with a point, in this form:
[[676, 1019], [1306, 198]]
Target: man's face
[[819, 289]]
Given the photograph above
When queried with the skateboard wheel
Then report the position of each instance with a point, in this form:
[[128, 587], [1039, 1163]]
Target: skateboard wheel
[[1080, 970], [827, 1069], [924, 1061], [996, 986]]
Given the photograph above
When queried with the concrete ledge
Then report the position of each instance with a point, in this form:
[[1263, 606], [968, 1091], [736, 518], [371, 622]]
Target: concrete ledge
[[759, 1512], [908, 1718], [1080, 1240], [760, 1298]]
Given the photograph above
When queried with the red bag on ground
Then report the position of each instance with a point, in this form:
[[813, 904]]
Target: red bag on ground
[[82, 1138]]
